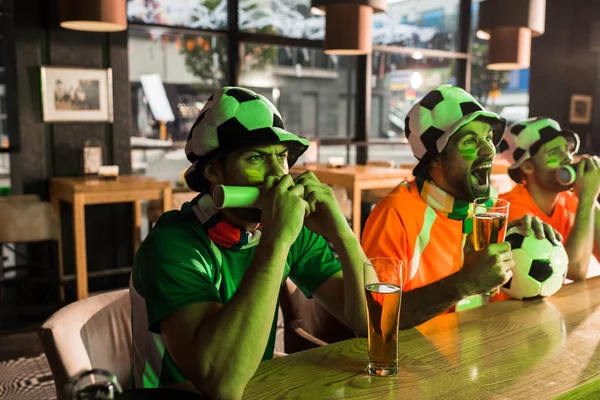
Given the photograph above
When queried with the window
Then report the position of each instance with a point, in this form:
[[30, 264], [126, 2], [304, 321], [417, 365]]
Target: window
[[431, 24], [310, 88], [190, 66], [289, 18], [399, 81], [503, 92], [195, 14]]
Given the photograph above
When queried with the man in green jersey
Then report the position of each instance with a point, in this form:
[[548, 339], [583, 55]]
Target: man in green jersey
[[205, 283]]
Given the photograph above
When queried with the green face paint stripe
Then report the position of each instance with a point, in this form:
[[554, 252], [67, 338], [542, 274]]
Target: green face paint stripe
[[252, 173], [553, 162], [468, 154]]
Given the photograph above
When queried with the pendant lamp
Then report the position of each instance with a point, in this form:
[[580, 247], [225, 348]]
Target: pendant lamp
[[93, 15], [510, 25], [348, 24]]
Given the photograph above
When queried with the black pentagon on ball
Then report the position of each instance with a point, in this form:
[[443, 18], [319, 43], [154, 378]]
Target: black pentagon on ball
[[241, 95], [515, 240], [502, 146], [548, 131], [540, 270], [430, 137], [469, 107], [407, 127], [516, 129], [432, 99], [518, 153], [230, 127], [277, 122]]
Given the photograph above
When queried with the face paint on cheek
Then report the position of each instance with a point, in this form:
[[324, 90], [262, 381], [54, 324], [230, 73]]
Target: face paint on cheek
[[468, 154], [553, 162], [254, 175]]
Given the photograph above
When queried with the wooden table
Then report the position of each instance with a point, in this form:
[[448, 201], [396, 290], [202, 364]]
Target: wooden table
[[356, 178], [536, 349], [81, 191]]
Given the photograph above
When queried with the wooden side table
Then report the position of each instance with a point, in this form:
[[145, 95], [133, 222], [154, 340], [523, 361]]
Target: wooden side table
[[80, 191]]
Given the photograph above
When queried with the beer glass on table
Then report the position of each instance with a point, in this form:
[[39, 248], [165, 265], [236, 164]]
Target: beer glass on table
[[490, 219], [383, 291]]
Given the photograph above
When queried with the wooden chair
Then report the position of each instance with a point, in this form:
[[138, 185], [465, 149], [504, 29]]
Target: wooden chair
[[24, 219]]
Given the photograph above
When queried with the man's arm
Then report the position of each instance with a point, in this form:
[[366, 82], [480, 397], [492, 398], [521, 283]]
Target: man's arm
[[580, 243], [343, 294], [481, 271], [219, 347]]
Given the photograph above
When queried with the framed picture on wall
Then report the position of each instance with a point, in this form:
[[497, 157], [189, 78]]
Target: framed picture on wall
[[76, 94], [581, 109]]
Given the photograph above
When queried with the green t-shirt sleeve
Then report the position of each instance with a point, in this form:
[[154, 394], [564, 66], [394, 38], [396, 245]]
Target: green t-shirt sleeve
[[172, 270], [312, 262]]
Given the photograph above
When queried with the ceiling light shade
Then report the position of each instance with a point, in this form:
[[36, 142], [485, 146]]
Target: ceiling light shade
[[509, 49], [348, 29], [93, 15], [513, 13]]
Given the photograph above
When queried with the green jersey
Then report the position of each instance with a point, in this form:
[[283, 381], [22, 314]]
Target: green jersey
[[178, 265]]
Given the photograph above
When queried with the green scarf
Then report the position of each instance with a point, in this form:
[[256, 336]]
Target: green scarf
[[448, 205]]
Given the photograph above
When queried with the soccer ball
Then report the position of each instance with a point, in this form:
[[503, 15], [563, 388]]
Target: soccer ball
[[540, 266]]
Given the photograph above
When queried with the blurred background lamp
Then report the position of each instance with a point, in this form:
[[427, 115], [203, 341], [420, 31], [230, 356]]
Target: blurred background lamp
[[348, 24], [93, 15], [510, 25], [416, 80]]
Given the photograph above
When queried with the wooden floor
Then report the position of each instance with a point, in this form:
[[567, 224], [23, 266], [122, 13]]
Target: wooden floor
[[20, 345]]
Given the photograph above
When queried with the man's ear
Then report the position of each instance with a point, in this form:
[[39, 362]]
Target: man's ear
[[527, 168], [436, 162], [212, 171]]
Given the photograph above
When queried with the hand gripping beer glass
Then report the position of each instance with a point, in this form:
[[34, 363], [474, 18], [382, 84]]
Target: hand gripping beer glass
[[383, 291], [490, 219]]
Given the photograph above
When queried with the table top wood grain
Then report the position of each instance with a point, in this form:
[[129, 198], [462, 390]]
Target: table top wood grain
[[536, 349]]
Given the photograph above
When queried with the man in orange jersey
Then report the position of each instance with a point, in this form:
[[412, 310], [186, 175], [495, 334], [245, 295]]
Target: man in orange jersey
[[425, 222], [536, 149]]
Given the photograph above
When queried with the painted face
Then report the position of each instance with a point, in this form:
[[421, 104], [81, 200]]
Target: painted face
[[547, 160], [467, 161], [250, 167]]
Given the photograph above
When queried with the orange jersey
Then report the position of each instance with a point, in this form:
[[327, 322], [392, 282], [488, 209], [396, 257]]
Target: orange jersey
[[402, 225], [562, 218]]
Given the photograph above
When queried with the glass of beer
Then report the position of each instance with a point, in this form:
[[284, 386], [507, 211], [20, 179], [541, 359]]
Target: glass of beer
[[490, 219], [383, 291]]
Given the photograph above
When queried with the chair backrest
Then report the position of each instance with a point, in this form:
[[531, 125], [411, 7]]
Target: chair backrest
[[27, 219], [381, 163], [90, 333]]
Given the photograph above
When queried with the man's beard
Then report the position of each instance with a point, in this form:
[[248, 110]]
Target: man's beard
[[247, 214], [463, 190]]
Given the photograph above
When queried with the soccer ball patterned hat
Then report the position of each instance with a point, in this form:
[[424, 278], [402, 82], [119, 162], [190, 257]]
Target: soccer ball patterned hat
[[440, 114], [235, 118], [524, 139]]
